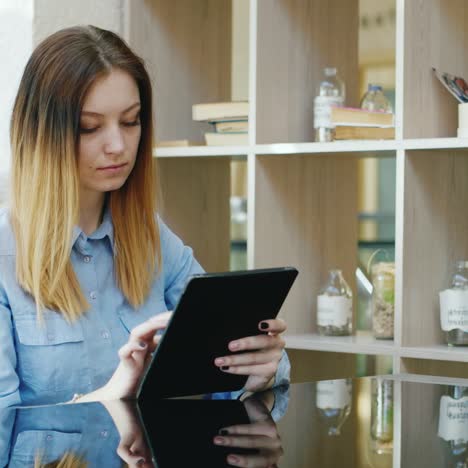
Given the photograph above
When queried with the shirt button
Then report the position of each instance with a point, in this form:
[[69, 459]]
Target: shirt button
[[104, 433], [87, 258], [49, 437], [105, 334], [93, 295]]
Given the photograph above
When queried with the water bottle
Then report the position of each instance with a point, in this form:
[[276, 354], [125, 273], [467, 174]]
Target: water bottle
[[375, 100], [331, 92]]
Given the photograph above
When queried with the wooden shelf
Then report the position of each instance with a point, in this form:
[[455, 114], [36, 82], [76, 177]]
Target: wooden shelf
[[361, 343], [435, 353], [199, 151]]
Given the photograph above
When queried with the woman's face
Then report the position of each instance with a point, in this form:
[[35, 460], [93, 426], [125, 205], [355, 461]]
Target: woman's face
[[109, 132]]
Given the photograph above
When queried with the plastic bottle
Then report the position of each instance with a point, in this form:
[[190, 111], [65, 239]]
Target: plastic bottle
[[375, 100], [331, 92]]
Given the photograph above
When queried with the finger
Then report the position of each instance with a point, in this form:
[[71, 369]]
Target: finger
[[250, 441], [131, 459], [273, 326], [147, 329], [126, 351], [256, 342], [263, 428], [261, 370], [259, 357], [255, 461]]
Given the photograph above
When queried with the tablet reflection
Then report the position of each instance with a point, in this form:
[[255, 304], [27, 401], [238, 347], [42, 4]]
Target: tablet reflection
[[164, 433]]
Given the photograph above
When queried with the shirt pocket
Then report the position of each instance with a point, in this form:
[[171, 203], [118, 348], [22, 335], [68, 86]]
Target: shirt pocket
[[50, 355], [48, 446]]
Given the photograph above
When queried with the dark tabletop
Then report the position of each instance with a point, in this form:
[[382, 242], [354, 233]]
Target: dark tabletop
[[366, 422]]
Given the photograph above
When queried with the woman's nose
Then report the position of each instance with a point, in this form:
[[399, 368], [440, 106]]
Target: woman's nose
[[114, 142]]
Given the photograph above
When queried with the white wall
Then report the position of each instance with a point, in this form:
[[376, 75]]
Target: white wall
[[16, 17]]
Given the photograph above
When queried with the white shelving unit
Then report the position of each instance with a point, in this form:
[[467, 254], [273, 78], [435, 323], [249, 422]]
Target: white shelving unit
[[302, 196]]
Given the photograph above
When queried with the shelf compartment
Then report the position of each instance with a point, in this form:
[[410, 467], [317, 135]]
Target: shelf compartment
[[361, 343], [199, 151], [436, 353]]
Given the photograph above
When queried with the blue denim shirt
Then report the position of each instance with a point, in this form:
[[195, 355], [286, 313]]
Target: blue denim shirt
[[44, 365]]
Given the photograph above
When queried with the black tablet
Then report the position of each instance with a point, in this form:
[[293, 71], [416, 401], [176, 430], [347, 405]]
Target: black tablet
[[213, 310]]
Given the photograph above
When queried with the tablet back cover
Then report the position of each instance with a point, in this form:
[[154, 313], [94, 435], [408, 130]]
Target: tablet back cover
[[213, 310]]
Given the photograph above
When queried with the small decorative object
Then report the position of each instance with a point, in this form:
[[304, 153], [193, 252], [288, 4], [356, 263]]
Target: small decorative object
[[333, 401], [335, 306], [382, 415], [454, 307]]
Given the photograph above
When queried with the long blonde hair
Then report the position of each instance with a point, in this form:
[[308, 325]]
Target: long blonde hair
[[45, 185]]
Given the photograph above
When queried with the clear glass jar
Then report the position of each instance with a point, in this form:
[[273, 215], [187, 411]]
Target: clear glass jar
[[333, 401], [453, 426], [330, 92], [382, 415], [383, 299], [335, 306], [454, 307]]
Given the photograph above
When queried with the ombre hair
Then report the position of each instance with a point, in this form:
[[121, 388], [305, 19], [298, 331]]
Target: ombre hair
[[45, 201]]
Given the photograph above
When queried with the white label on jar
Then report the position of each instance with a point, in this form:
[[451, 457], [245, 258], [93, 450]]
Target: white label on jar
[[333, 394], [454, 309], [453, 418], [334, 310], [322, 110]]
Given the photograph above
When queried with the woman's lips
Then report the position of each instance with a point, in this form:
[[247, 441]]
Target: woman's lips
[[112, 169]]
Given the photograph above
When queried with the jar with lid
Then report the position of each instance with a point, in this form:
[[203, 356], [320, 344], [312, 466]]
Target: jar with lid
[[375, 100], [454, 307], [335, 306], [383, 299]]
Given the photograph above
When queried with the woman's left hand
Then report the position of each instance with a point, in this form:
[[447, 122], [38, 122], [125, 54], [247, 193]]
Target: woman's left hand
[[258, 356]]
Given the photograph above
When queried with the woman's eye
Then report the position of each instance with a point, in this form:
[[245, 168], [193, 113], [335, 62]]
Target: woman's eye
[[132, 124], [88, 130]]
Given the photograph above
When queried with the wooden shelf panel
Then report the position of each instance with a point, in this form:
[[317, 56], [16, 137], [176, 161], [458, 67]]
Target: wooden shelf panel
[[361, 343], [435, 353], [199, 151]]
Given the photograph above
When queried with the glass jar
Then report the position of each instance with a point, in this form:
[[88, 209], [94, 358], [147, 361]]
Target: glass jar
[[382, 415], [333, 401], [453, 426], [383, 299], [335, 306], [454, 307]]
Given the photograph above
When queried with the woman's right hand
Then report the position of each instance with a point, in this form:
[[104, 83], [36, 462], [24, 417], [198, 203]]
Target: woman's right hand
[[134, 357]]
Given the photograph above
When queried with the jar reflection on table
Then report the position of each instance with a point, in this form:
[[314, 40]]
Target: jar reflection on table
[[333, 401], [382, 415], [383, 299], [453, 426]]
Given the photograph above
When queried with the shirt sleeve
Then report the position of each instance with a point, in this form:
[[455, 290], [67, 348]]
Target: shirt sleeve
[[179, 264], [9, 381]]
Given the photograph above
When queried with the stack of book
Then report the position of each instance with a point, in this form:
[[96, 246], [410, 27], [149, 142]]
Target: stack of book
[[230, 121], [360, 124]]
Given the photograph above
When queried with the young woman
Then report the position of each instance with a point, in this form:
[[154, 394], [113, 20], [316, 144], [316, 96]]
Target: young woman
[[88, 271]]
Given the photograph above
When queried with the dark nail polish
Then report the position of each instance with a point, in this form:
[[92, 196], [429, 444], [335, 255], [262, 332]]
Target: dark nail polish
[[263, 325], [140, 462], [224, 367], [142, 344]]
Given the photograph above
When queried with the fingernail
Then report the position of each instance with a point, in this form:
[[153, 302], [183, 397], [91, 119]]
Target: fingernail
[[223, 432], [233, 459], [263, 325], [140, 461], [219, 361], [219, 441], [225, 368], [142, 344], [234, 345]]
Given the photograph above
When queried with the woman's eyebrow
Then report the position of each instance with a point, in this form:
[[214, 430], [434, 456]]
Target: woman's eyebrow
[[124, 112]]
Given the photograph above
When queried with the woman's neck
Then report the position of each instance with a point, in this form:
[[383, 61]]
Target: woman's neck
[[91, 208]]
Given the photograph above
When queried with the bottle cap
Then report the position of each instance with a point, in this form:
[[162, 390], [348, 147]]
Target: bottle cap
[[372, 87]]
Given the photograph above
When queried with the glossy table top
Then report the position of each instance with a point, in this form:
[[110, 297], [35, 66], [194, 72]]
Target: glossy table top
[[407, 421]]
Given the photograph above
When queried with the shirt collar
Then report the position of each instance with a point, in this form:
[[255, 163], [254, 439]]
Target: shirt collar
[[106, 228]]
